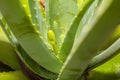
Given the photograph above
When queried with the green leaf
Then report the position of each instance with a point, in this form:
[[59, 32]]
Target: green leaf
[[33, 66], [87, 16], [7, 53], [105, 55], [27, 36], [14, 75], [108, 71], [91, 40], [70, 36], [59, 15], [37, 17], [26, 60], [113, 37], [26, 6]]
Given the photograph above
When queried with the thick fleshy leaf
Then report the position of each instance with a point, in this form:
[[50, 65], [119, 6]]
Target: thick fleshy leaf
[[26, 6], [87, 16], [108, 71], [112, 38], [92, 37], [70, 36], [13, 75], [7, 53], [37, 17], [59, 15], [33, 66], [25, 60], [27, 36], [105, 55]]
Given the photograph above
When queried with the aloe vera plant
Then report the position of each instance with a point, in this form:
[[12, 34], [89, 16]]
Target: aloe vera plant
[[58, 39]]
